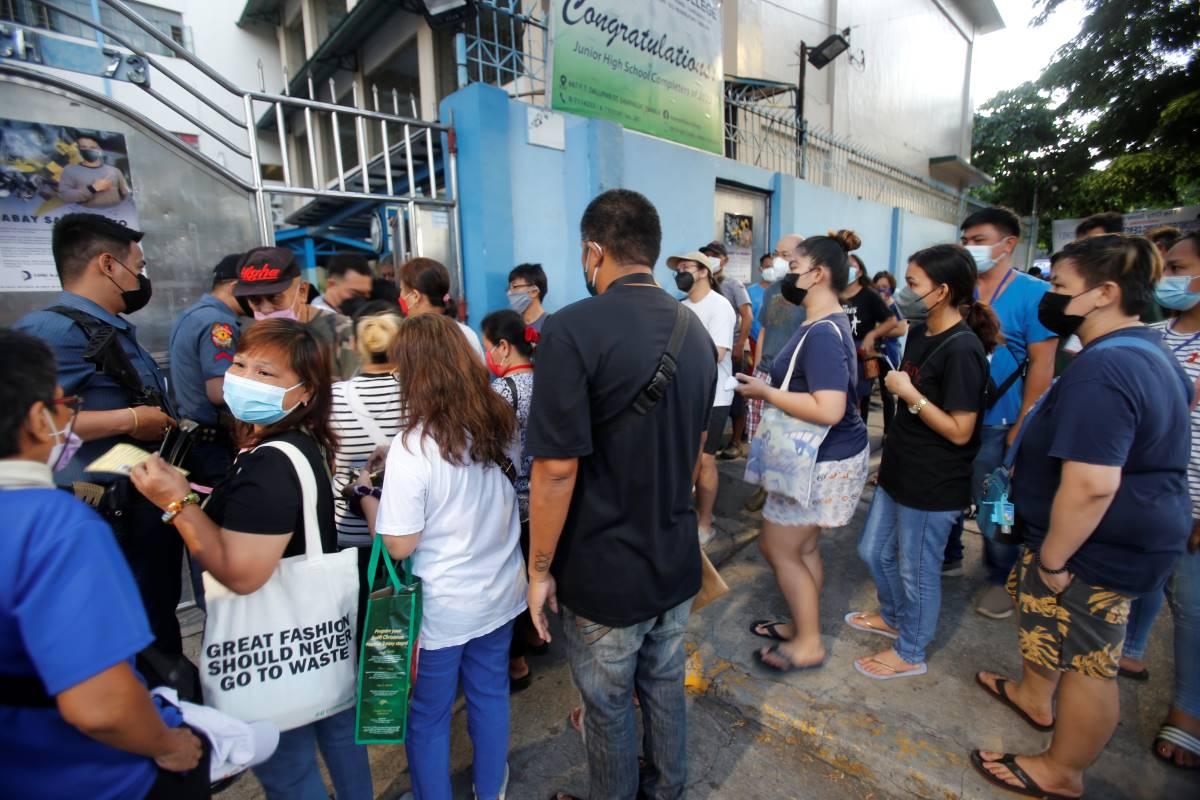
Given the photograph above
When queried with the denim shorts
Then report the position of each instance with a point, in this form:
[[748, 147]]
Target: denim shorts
[[1080, 630]]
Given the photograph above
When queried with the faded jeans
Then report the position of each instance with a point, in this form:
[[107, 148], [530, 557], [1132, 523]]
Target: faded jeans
[[607, 664], [292, 772], [1183, 595], [902, 548]]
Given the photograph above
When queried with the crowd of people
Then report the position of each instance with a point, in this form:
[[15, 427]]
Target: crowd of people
[[296, 422]]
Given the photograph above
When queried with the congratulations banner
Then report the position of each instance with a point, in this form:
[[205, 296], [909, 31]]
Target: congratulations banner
[[653, 66]]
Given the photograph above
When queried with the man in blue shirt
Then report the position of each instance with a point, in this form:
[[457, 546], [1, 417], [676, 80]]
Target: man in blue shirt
[[102, 269], [203, 341], [75, 717], [1021, 370]]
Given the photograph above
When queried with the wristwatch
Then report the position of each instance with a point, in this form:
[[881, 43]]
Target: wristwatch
[[919, 406], [173, 509], [367, 491]]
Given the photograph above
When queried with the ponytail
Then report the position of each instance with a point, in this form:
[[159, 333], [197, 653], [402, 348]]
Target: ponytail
[[983, 321]]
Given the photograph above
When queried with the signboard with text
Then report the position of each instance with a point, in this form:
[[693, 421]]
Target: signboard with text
[[653, 66], [1186, 218]]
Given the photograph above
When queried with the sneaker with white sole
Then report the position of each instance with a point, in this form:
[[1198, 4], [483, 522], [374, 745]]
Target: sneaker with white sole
[[995, 603], [952, 569]]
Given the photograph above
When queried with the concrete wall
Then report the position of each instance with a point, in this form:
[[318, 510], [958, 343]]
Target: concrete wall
[[521, 202]]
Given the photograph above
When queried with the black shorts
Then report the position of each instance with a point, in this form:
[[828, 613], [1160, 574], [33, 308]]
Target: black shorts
[[716, 429]]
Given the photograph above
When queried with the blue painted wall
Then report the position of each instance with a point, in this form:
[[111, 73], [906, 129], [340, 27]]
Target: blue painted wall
[[521, 202]]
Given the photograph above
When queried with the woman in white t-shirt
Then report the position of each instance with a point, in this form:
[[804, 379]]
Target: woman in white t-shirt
[[425, 289], [448, 503]]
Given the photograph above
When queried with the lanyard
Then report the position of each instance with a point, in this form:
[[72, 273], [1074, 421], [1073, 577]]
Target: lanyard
[[996, 293], [1188, 343]]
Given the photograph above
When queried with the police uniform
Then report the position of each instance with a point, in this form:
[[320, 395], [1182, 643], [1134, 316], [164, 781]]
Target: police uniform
[[203, 341], [154, 551]]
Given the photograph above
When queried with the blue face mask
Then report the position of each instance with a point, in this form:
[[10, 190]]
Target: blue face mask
[[255, 402], [851, 275], [1172, 292]]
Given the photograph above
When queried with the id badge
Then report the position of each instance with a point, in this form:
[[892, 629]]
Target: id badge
[[1004, 513]]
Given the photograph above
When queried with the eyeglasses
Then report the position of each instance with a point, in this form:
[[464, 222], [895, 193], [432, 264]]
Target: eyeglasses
[[73, 402]]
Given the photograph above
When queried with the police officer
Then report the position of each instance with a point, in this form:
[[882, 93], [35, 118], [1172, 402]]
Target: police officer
[[203, 341], [103, 274]]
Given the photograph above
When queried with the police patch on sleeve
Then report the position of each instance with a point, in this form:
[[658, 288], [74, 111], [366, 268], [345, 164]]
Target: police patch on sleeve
[[222, 335]]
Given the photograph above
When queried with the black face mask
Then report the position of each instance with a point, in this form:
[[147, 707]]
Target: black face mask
[[91, 155], [1052, 312], [134, 299], [790, 291], [684, 281]]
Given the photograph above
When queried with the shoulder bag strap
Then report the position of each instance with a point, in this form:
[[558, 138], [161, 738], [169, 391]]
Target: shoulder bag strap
[[313, 549], [512, 388], [359, 409], [787, 378], [664, 373]]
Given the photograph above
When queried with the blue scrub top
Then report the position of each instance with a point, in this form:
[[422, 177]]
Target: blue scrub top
[[202, 344], [1016, 308]]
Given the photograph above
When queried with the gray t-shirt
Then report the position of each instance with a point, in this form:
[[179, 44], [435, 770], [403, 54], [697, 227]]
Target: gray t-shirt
[[73, 185], [779, 320], [735, 292]]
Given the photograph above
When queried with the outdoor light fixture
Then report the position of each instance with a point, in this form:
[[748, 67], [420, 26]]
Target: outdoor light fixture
[[834, 45], [445, 13]]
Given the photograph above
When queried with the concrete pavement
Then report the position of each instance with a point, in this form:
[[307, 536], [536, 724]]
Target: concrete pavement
[[828, 733]]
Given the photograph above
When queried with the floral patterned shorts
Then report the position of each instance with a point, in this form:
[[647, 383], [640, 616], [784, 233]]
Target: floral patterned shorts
[[754, 407], [836, 488], [1081, 630]]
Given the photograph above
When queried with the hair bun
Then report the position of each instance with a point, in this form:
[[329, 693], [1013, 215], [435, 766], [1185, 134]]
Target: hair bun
[[847, 239]]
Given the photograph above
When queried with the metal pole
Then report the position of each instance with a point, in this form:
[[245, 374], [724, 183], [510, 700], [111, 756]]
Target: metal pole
[[1033, 234], [800, 124], [452, 177], [460, 59], [387, 155], [337, 140], [265, 229]]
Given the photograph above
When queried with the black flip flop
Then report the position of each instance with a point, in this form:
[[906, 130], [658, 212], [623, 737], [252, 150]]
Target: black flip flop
[[520, 684], [1001, 694], [770, 625], [758, 656], [1029, 786], [537, 649], [1140, 675]]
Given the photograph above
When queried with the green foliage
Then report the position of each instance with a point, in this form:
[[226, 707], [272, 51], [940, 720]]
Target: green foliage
[[1111, 124]]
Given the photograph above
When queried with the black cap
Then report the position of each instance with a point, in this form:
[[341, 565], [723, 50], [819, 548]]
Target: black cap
[[714, 248], [266, 270], [227, 268]]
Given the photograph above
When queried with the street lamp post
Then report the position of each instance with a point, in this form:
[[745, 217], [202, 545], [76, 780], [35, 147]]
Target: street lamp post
[[830, 48]]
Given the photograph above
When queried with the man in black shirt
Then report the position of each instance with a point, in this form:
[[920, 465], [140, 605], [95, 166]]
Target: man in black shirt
[[612, 520]]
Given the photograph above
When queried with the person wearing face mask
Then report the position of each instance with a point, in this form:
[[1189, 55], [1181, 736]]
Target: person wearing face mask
[[885, 284], [279, 389], [812, 379], [425, 289], [527, 289], [871, 323], [124, 394], [78, 720], [1100, 489], [509, 344], [925, 474], [628, 383], [270, 284], [1178, 739], [778, 320], [91, 183], [348, 281], [735, 292], [1021, 371], [693, 275]]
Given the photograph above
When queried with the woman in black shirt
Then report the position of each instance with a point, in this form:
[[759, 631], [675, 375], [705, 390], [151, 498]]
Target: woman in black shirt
[[279, 389], [871, 321], [925, 477]]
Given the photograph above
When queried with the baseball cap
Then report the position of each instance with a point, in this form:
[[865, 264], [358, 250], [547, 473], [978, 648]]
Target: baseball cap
[[695, 255], [227, 268], [714, 248], [266, 270]]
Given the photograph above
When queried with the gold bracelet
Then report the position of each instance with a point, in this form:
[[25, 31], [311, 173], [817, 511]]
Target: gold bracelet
[[133, 431], [173, 509]]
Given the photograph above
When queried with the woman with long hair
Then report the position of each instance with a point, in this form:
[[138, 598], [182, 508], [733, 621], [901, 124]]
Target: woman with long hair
[[1102, 510], [509, 344], [278, 388], [871, 322], [889, 347], [821, 359], [449, 504], [425, 289], [925, 476]]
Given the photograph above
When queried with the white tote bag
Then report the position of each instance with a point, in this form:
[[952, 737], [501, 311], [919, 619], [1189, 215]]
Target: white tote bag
[[286, 652]]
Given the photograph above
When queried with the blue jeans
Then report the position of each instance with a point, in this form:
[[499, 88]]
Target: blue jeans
[[998, 558], [1183, 595], [607, 665], [292, 773], [903, 549], [482, 666]]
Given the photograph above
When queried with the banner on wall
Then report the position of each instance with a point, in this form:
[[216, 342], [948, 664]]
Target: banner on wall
[[653, 66], [46, 172], [1186, 218], [738, 237]]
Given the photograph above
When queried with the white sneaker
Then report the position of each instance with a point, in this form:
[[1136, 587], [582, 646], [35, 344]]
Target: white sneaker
[[706, 535]]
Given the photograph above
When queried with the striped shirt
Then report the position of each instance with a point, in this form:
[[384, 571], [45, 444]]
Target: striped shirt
[[1186, 349], [380, 395]]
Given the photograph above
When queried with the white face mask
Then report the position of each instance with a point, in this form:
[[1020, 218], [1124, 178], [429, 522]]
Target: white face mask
[[769, 275], [66, 443], [781, 266]]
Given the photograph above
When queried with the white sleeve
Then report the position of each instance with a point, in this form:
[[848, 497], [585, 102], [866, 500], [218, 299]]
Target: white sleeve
[[723, 325], [472, 338], [405, 486]]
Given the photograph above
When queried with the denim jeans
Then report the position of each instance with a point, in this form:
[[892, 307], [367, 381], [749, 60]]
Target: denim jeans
[[607, 665], [997, 558], [1183, 596], [903, 549], [481, 665], [292, 773]]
